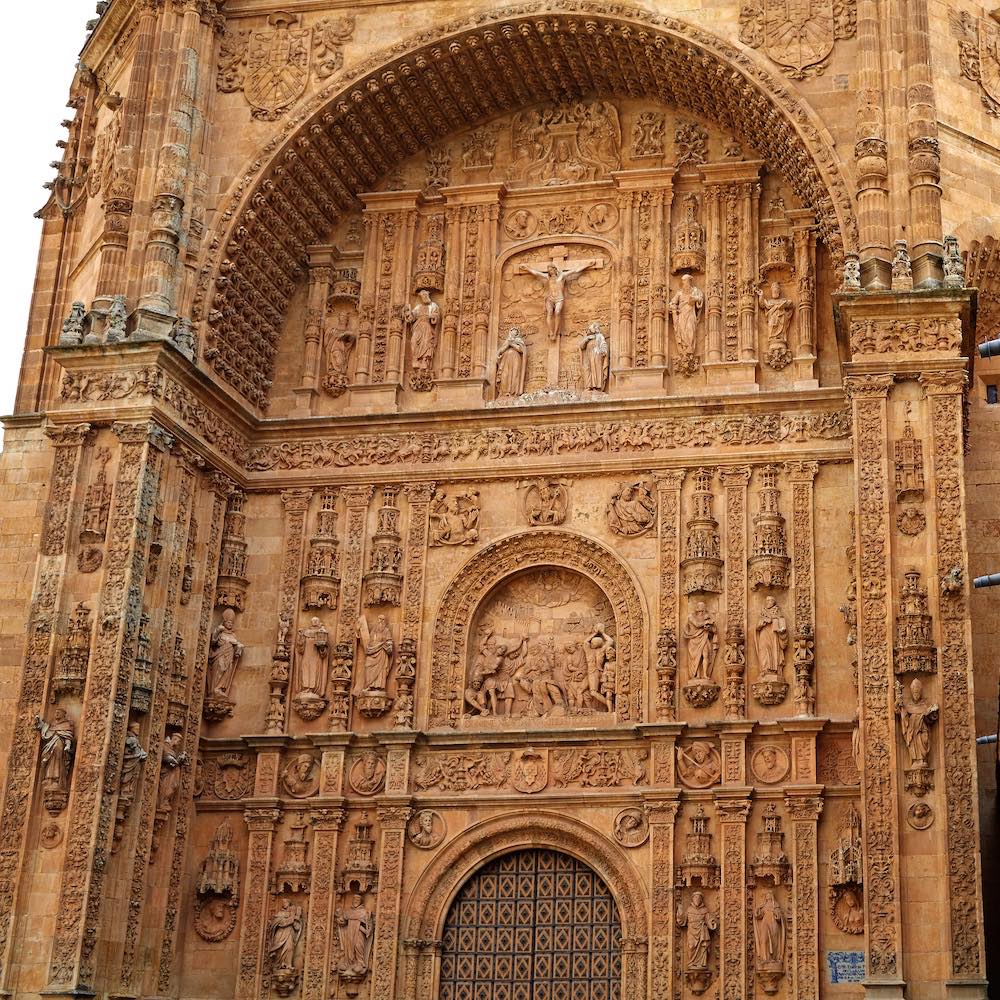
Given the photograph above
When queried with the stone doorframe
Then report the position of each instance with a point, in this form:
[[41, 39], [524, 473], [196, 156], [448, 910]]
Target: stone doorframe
[[428, 903]]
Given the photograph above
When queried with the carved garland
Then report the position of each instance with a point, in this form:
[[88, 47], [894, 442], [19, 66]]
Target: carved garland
[[508, 555]]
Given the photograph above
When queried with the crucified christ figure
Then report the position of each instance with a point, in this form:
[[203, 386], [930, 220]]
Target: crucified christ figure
[[555, 279]]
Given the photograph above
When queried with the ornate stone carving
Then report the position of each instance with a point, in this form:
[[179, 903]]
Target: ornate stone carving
[[685, 311], [530, 773], [321, 584], [360, 873], [454, 518], [778, 313], [698, 866], [461, 772], [978, 40], [70, 676], [735, 662], [598, 768], [94, 520], [595, 359], [423, 320], [690, 144], [172, 759], [914, 650], [847, 874], [355, 933], [366, 774], [426, 830], [770, 644], [688, 251], [378, 649], [632, 509], [699, 923], [770, 764], [300, 776], [898, 336], [133, 757], [631, 828], [769, 941], [293, 874], [312, 647], [802, 49], [217, 892], [770, 864], [383, 582], [701, 569], [916, 716], [284, 931], [702, 645], [648, 134], [232, 584], [698, 764], [511, 365], [769, 561], [545, 502], [224, 658], [58, 737]]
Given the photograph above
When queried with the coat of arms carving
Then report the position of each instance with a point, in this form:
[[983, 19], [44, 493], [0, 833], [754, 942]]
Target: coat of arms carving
[[798, 35], [979, 55], [271, 65]]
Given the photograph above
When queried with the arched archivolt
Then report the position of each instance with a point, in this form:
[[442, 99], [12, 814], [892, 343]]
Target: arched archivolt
[[426, 905], [455, 76], [510, 555]]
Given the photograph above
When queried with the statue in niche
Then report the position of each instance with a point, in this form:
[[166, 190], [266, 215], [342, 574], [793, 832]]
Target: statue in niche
[[312, 646], [355, 927], [454, 520], [423, 319], [769, 941], [596, 358], [771, 644], [632, 510], [512, 365], [699, 923], [685, 309], [556, 279], [916, 716], [283, 933], [132, 760], [340, 341], [778, 313], [223, 659], [546, 501], [172, 759], [58, 743], [377, 647], [702, 642]]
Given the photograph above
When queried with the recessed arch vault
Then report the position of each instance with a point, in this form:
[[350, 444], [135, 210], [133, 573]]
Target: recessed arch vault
[[451, 77]]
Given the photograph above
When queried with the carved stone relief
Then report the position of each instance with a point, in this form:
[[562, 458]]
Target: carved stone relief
[[217, 891], [801, 50]]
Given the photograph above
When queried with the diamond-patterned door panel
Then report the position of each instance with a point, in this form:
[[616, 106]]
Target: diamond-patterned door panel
[[533, 925]]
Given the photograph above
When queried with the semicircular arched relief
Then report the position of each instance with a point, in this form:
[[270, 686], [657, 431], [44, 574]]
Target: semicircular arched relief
[[546, 628]]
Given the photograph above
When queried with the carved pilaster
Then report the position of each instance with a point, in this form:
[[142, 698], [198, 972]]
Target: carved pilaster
[[41, 632], [662, 815], [804, 807], [327, 822], [392, 822], [105, 711], [219, 488], [261, 822], [733, 813], [735, 482], [418, 496], [802, 476], [321, 260], [945, 392], [668, 488], [869, 397]]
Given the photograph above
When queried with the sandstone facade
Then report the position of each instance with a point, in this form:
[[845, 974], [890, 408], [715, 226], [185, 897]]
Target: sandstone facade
[[491, 506]]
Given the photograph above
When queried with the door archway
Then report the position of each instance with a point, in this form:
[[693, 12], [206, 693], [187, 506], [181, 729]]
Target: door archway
[[532, 925]]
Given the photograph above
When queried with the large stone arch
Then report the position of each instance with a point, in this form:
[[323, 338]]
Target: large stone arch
[[426, 905], [526, 550], [456, 75]]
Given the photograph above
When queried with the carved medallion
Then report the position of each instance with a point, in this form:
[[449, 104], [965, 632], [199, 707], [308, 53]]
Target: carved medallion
[[631, 827], [847, 908], [632, 509], [277, 66], [300, 778], [367, 774], [769, 764], [426, 830], [698, 764], [531, 772], [920, 815], [51, 836]]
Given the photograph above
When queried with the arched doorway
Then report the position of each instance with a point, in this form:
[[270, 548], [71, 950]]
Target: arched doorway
[[532, 925]]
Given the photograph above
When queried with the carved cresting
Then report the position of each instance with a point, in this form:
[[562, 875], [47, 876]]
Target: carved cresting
[[869, 396], [105, 710], [41, 631]]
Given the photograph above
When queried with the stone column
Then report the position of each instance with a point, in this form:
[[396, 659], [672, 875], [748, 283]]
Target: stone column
[[418, 496], [802, 476], [869, 399], [102, 727], [393, 815], [321, 260], [736, 481], [733, 808], [261, 818], [945, 393], [41, 631], [327, 817], [804, 361], [804, 806], [661, 808], [626, 281], [452, 292], [668, 490], [713, 277], [219, 489]]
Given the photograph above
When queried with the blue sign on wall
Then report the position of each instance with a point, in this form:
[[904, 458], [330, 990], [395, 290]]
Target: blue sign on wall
[[846, 966]]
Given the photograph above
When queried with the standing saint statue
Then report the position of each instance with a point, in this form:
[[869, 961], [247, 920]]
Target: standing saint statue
[[172, 759], [702, 642], [769, 932], [915, 717], [778, 311], [377, 646], [283, 935], [699, 922], [312, 645], [512, 365], [685, 309], [58, 743], [224, 656], [355, 925], [423, 322], [596, 358], [771, 640], [555, 279]]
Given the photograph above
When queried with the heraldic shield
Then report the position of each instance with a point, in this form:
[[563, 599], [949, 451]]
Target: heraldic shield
[[799, 34], [989, 58], [277, 65]]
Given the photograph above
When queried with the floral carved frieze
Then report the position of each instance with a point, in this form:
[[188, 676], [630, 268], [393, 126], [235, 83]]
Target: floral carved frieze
[[892, 336]]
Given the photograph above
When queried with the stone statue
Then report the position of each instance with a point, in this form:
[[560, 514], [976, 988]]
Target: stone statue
[[132, 760], [771, 640], [377, 646], [313, 646], [916, 717], [546, 502], [555, 279], [702, 642], [224, 656], [340, 343], [283, 933], [172, 759], [598, 650], [573, 668], [700, 922], [596, 359], [632, 509], [58, 744], [423, 830], [769, 932], [355, 926], [512, 364], [778, 312], [536, 678], [423, 322], [454, 520], [685, 309]]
